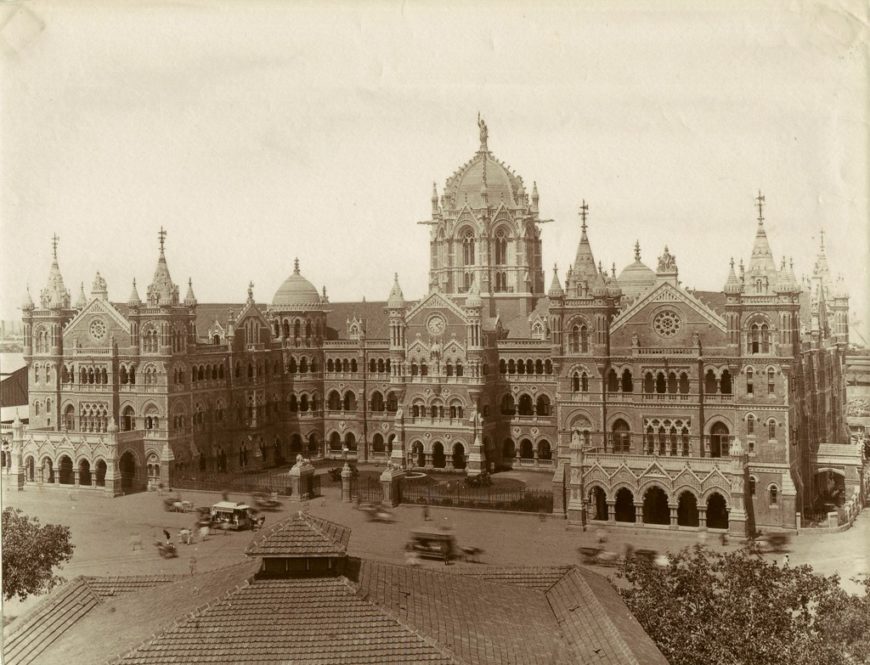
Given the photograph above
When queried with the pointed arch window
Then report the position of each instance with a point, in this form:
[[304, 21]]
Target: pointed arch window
[[501, 244], [468, 248], [584, 339], [771, 381]]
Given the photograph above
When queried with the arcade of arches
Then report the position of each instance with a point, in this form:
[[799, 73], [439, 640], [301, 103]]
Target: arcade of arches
[[654, 507]]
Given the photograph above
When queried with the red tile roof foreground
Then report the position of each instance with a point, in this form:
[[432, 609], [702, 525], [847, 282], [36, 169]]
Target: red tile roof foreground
[[302, 535], [376, 612]]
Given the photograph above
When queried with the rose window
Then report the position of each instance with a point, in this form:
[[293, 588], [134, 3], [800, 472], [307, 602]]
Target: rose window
[[98, 329], [667, 323]]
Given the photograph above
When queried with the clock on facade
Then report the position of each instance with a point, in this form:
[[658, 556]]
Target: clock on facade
[[97, 329], [436, 324]]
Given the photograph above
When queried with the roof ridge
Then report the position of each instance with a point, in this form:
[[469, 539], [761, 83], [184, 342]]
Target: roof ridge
[[592, 598]]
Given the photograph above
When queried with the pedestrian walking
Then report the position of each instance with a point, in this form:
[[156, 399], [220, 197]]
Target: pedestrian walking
[[203, 532], [193, 565], [785, 560], [425, 512], [168, 537]]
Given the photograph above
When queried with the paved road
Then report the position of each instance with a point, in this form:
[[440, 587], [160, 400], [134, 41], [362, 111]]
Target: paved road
[[102, 529]]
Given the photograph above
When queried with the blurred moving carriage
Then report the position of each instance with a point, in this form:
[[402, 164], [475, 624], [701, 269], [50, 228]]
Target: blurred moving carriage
[[266, 500], [598, 556], [773, 542], [433, 543], [335, 473], [166, 549], [377, 513], [176, 505]]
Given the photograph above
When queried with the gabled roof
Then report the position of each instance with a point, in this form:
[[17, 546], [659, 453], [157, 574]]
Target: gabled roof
[[302, 535], [13, 388], [96, 304], [667, 292], [436, 299]]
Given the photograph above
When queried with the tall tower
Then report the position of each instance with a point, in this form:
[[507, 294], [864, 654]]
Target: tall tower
[[43, 351], [485, 228]]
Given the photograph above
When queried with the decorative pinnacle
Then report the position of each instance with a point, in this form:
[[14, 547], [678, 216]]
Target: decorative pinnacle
[[296, 265], [613, 269], [759, 201], [54, 241], [637, 250], [555, 268], [251, 290], [732, 263], [584, 213], [822, 241], [161, 234]]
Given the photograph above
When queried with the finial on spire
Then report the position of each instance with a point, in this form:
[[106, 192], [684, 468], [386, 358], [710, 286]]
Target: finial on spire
[[732, 263], [484, 132], [613, 269], [822, 241], [637, 250], [54, 241], [251, 291], [161, 234], [584, 213], [555, 268], [759, 201], [296, 265]]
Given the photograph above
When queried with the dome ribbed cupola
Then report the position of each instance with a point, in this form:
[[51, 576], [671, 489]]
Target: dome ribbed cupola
[[637, 277], [296, 293]]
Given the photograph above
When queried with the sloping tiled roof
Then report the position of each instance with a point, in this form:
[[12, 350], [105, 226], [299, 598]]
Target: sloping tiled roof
[[303, 620], [715, 300], [376, 319], [302, 536], [107, 587], [478, 621], [533, 578], [598, 624], [13, 388], [115, 625]]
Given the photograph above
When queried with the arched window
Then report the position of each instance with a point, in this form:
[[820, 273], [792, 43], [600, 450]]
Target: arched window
[[424, 369], [753, 481], [539, 367], [725, 382], [660, 382], [414, 369], [672, 382], [765, 338], [771, 382], [502, 366], [380, 365], [330, 366], [584, 339], [575, 382], [773, 495], [621, 436], [333, 402], [468, 248], [303, 403], [574, 340], [501, 245], [771, 429], [684, 383], [458, 369], [377, 401], [648, 383], [719, 439], [69, 418], [294, 404], [584, 383], [512, 366], [543, 405], [525, 405], [353, 366], [548, 367], [749, 387], [612, 381], [392, 402], [627, 384], [507, 405], [349, 401], [755, 339], [710, 382], [750, 424], [448, 369], [521, 366]]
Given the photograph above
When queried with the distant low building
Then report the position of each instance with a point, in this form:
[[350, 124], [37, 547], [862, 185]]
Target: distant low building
[[650, 404]]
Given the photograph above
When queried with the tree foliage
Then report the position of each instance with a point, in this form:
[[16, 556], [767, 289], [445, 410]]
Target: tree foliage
[[738, 608], [30, 553]]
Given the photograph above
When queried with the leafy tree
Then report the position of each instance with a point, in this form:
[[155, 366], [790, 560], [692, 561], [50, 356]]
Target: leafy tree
[[738, 608], [30, 552]]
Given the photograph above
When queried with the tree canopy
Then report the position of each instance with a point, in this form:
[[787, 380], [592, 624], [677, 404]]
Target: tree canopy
[[30, 553], [738, 608]]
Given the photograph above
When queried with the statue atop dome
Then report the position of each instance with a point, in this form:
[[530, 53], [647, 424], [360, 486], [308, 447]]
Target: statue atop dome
[[484, 133]]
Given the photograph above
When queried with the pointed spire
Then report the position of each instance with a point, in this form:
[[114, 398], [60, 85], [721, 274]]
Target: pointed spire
[[134, 300], [584, 263], [189, 298], [162, 291], [434, 198], [613, 270], [250, 299], [535, 197], [473, 299], [555, 286], [296, 266], [820, 268], [637, 251], [82, 299], [325, 298], [27, 303], [396, 299], [55, 295], [761, 261], [732, 284]]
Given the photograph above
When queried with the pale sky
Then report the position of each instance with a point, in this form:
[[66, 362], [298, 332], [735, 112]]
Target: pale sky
[[256, 132]]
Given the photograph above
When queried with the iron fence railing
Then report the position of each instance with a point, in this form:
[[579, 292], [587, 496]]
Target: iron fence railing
[[492, 498]]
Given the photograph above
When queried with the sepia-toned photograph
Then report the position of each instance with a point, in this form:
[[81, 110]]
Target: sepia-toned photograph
[[434, 332]]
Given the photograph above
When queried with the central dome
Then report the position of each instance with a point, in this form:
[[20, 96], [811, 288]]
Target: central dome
[[469, 184], [636, 278], [296, 292]]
